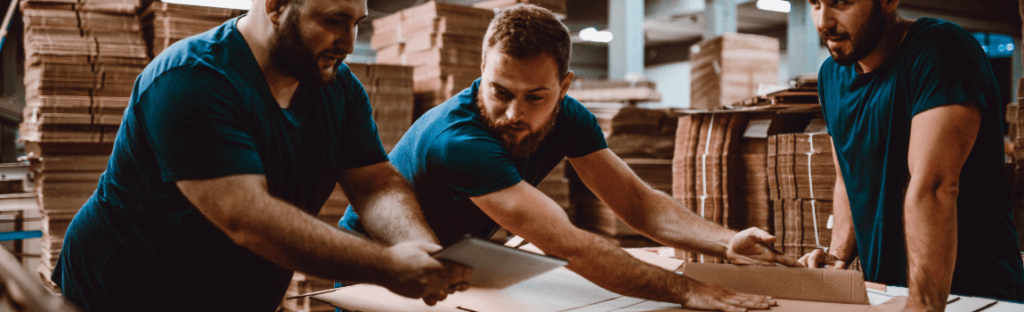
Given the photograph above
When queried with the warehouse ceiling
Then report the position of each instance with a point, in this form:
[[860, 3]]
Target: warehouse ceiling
[[676, 21]]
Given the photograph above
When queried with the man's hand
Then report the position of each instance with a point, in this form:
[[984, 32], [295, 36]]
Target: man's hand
[[415, 274], [819, 259], [753, 246], [709, 296]]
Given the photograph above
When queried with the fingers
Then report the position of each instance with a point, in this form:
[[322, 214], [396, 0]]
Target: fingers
[[749, 301], [814, 259], [428, 247], [433, 298], [788, 261], [762, 235]]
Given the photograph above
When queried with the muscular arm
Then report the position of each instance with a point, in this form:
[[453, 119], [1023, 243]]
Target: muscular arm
[[242, 208], [529, 213], [386, 204], [940, 141], [662, 218]]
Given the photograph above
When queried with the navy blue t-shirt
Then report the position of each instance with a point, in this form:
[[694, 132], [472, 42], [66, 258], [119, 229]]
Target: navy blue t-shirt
[[449, 156], [869, 117], [201, 110]]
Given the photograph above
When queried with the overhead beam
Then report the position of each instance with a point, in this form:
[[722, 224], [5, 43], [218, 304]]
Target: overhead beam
[[974, 24], [626, 51]]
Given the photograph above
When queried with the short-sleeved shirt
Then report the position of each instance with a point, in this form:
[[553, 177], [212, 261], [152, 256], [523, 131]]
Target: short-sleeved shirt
[[202, 109], [449, 156], [869, 117]]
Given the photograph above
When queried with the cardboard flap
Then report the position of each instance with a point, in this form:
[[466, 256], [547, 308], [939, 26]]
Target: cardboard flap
[[835, 286]]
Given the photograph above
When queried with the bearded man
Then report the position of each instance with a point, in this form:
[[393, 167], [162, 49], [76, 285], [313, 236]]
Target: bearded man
[[232, 142], [914, 112], [474, 162]]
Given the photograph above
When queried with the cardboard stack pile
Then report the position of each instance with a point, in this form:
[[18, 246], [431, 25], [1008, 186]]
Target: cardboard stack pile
[[1015, 159], [556, 186], [644, 139], [614, 91], [390, 91], [801, 177], [443, 41], [81, 62], [557, 7], [166, 23], [730, 68]]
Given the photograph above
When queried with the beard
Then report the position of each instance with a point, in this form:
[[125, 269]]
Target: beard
[[290, 52], [504, 132], [862, 42]]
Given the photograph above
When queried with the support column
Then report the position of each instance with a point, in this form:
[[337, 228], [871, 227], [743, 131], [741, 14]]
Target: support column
[[626, 51], [720, 16], [803, 42]]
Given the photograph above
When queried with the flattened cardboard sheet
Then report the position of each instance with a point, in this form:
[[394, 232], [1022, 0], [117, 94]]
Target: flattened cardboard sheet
[[834, 286]]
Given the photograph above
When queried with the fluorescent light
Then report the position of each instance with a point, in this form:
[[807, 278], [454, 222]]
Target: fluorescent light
[[774, 5], [227, 4], [1009, 47], [592, 34]]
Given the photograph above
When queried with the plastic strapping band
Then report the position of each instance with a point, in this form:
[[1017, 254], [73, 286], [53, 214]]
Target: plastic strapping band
[[704, 169], [810, 183]]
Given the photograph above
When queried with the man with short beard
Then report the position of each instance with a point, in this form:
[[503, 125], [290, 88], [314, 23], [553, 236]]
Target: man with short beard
[[475, 160], [914, 112], [232, 142]]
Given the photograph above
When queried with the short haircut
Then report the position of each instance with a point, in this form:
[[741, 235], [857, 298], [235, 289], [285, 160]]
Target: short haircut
[[526, 31]]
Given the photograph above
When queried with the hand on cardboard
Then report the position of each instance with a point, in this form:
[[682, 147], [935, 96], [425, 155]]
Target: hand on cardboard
[[710, 296], [414, 273], [753, 246], [820, 259]]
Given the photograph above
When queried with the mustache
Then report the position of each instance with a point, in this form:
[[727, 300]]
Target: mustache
[[832, 33]]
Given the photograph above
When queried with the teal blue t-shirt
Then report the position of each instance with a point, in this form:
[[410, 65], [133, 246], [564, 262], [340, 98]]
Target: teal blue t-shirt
[[449, 156], [202, 110], [869, 117]]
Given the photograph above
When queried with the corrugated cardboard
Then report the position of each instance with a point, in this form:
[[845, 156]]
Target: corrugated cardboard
[[834, 286]]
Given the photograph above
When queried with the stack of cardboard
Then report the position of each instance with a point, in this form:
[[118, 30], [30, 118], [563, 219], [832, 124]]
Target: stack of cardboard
[[730, 68], [556, 185], [443, 41], [1015, 158], [81, 61], [614, 91], [557, 7], [389, 89], [801, 177], [167, 23], [20, 212]]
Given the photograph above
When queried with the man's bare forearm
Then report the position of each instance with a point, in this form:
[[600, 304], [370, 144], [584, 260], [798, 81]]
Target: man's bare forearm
[[608, 266], [387, 206], [844, 240], [668, 222], [931, 230]]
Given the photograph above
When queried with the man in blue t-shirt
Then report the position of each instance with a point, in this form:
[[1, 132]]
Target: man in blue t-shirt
[[475, 160], [914, 112], [232, 142]]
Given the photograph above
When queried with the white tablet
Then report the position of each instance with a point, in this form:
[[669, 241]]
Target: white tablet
[[497, 266]]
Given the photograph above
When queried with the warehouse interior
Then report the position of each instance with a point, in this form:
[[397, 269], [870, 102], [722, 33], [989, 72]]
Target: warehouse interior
[[712, 102]]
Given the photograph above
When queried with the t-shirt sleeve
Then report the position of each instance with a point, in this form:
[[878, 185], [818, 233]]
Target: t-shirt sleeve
[[362, 142], [587, 135], [470, 165], [948, 71], [197, 127]]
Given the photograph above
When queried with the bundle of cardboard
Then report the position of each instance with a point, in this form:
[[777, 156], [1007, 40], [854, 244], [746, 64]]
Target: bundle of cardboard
[[390, 91], [81, 58], [167, 23], [557, 7], [614, 91], [731, 68], [20, 212], [801, 178], [443, 41]]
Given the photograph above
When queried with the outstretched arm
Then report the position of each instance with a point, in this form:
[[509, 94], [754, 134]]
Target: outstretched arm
[[665, 220], [386, 204], [527, 212]]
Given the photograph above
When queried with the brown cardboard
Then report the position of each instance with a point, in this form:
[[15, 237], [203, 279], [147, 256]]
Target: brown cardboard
[[834, 286]]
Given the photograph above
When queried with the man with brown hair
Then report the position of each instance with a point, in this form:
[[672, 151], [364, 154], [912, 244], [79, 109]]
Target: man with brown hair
[[474, 161]]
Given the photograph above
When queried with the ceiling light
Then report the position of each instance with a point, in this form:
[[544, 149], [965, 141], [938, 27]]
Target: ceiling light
[[593, 35], [227, 4], [774, 5]]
